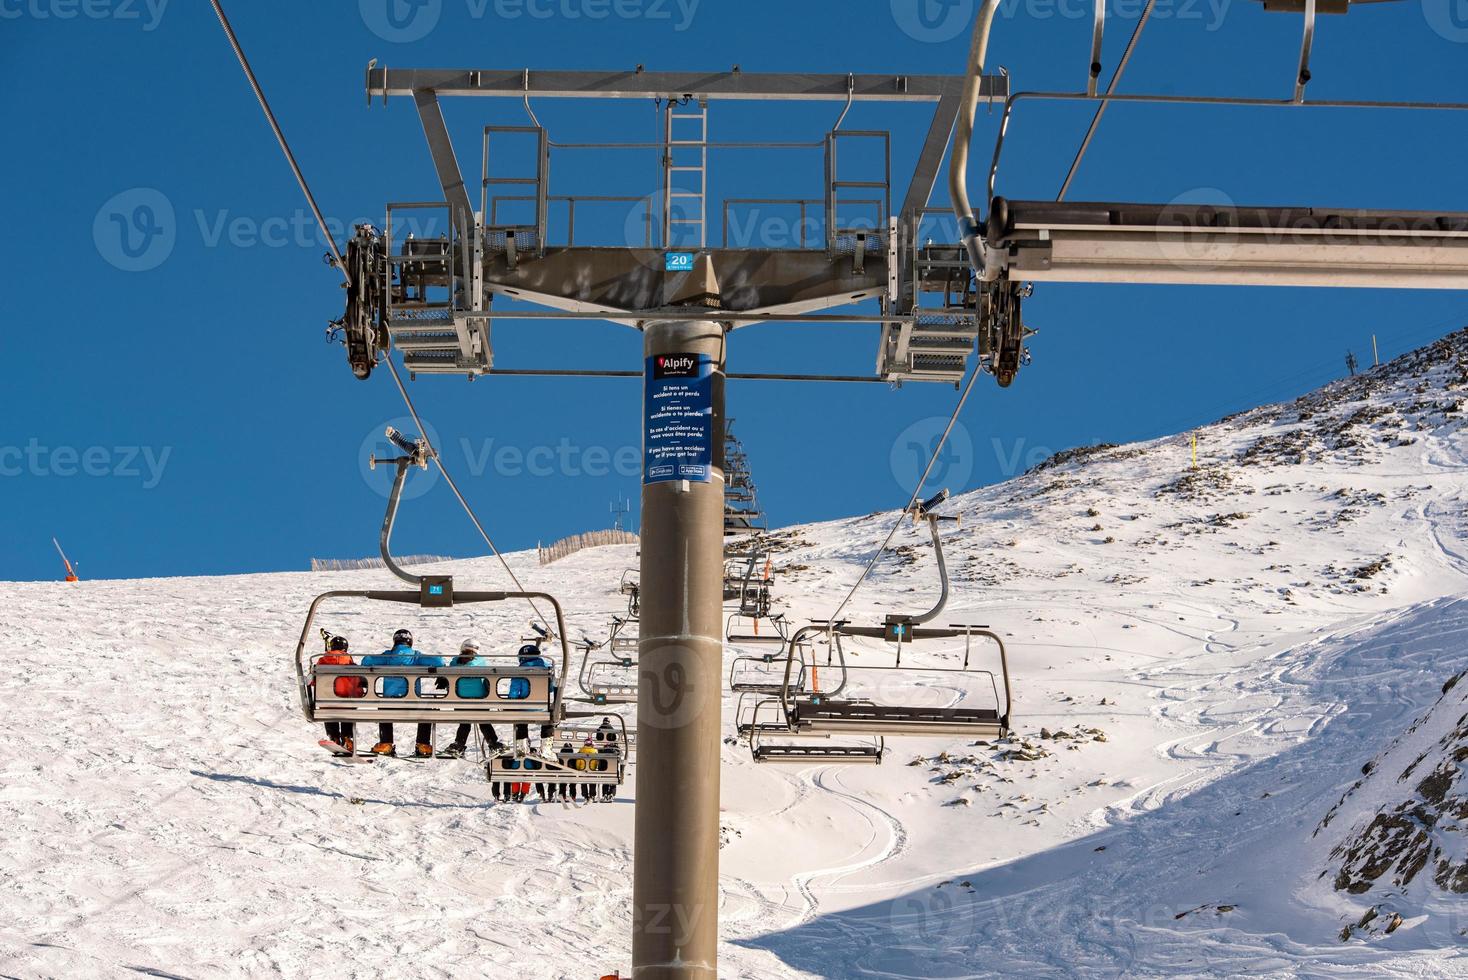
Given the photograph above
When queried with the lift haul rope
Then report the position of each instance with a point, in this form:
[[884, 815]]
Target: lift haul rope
[[448, 478], [1110, 90], [916, 493], [341, 267], [234, 42]]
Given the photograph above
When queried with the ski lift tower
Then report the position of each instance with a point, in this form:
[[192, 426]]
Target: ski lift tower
[[432, 299]]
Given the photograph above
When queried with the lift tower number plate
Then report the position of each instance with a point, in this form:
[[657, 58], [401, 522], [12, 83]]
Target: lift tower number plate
[[678, 443]]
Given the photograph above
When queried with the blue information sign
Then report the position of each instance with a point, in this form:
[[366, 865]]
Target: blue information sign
[[679, 261], [678, 443]]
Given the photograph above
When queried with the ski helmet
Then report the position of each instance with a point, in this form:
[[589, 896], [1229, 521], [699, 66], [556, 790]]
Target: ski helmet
[[469, 646], [529, 650], [338, 644], [402, 638]]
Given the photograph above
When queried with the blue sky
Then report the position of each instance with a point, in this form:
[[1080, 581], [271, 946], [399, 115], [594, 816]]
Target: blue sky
[[185, 415]]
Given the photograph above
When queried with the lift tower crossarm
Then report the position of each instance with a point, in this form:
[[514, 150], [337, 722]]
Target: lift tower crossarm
[[763, 86], [712, 85]]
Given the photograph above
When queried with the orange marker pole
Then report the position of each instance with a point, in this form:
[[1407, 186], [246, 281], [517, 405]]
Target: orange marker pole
[[70, 572]]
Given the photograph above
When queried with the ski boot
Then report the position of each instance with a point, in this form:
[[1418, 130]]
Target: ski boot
[[384, 748]]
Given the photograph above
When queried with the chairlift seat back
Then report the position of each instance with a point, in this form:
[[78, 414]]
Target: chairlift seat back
[[511, 695]]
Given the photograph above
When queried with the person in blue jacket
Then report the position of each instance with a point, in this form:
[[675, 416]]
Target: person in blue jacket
[[530, 656], [402, 654]]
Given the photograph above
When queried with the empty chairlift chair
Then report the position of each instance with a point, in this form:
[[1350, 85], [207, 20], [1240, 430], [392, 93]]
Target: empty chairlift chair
[[811, 708], [765, 673], [830, 713], [609, 669], [629, 588]]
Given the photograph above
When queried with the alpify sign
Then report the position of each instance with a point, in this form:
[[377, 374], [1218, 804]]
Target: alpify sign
[[678, 441]]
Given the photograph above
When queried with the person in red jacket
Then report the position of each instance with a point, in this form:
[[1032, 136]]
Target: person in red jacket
[[342, 732]]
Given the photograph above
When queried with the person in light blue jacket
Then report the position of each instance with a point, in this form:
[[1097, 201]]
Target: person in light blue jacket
[[402, 654], [474, 687]]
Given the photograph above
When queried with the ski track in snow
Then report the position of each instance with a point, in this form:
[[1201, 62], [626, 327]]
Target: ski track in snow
[[167, 811]]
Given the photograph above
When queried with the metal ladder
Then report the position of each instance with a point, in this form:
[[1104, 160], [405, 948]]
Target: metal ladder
[[679, 154]]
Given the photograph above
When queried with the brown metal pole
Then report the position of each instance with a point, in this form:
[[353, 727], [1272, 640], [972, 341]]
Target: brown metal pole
[[675, 888]]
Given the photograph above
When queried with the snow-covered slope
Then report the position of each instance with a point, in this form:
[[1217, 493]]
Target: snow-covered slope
[[1204, 661]]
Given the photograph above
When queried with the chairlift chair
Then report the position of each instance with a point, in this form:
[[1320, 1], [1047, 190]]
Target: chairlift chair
[[828, 712], [630, 588], [810, 708], [563, 761], [745, 629], [754, 674], [494, 694], [612, 678], [446, 694], [772, 739]]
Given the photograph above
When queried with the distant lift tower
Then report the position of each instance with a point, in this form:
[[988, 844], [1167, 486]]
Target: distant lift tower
[[742, 514], [432, 298]]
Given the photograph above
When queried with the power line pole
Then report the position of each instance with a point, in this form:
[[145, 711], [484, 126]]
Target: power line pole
[[675, 891]]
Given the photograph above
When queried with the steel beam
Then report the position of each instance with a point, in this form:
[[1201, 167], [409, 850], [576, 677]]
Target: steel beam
[[446, 162], [1231, 246], [802, 87], [935, 149]]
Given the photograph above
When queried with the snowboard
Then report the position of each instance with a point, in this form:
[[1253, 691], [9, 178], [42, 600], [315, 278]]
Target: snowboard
[[341, 754]]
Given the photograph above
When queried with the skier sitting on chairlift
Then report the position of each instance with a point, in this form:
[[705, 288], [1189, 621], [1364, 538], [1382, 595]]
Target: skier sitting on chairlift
[[588, 790], [606, 741], [530, 657], [469, 657], [342, 732], [402, 654]]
